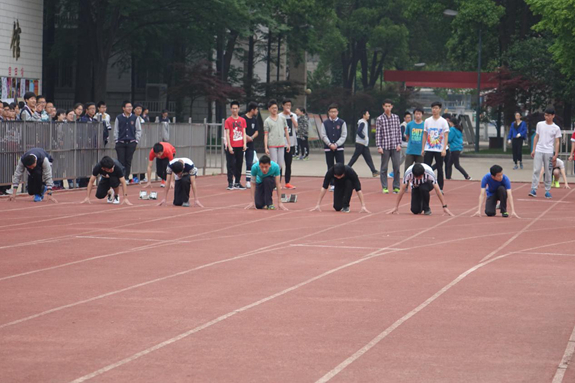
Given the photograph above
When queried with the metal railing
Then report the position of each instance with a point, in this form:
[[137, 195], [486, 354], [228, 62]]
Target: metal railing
[[77, 147]]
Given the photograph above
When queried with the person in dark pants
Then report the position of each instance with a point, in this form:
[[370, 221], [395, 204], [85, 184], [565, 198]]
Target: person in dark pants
[[291, 120], [362, 144], [435, 138], [497, 186], [517, 134], [333, 133], [423, 181], [456, 147], [38, 164], [267, 176], [345, 180], [185, 173], [302, 133], [112, 175], [251, 117], [235, 127], [163, 152], [388, 140], [127, 133]]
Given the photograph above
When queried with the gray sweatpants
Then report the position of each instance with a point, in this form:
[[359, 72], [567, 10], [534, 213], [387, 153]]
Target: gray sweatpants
[[395, 162], [277, 155], [542, 160]]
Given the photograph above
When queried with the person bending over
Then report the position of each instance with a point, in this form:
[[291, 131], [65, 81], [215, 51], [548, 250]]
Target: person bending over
[[112, 175], [38, 163], [185, 172], [345, 180], [422, 181], [163, 152], [498, 189], [267, 175]]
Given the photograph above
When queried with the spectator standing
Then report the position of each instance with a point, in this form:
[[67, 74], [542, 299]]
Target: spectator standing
[[545, 151], [127, 133], [302, 133], [104, 118], [414, 135], [78, 110], [333, 133], [28, 112], [138, 110], [276, 135], [235, 127], [41, 109], [70, 115], [388, 139], [517, 135], [146, 115], [51, 110], [251, 117], [362, 144], [456, 147], [435, 138], [291, 120]]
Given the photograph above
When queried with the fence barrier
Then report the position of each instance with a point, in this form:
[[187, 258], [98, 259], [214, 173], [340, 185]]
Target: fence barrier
[[76, 147]]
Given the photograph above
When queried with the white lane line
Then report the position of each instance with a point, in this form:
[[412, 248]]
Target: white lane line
[[567, 356], [340, 367], [513, 238], [133, 357], [273, 247], [537, 253], [338, 247], [127, 239], [543, 200]]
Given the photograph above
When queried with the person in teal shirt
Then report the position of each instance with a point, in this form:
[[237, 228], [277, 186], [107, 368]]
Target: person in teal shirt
[[267, 175], [414, 134], [456, 147]]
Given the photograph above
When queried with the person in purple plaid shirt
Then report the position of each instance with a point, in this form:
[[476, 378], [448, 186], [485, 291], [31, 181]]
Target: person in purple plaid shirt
[[388, 141]]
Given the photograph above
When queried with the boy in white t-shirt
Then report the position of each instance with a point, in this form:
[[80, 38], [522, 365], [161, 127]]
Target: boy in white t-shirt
[[546, 149], [434, 142]]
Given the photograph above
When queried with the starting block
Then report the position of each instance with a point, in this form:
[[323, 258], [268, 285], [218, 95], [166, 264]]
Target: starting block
[[291, 198], [152, 195]]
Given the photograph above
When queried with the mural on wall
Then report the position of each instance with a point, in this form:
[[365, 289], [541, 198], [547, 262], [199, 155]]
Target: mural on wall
[[15, 43]]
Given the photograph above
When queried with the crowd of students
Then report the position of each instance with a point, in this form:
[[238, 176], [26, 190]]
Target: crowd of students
[[416, 142]]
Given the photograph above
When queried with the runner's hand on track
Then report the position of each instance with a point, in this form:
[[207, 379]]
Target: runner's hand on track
[[125, 201], [316, 208], [86, 200], [282, 207], [395, 210], [12, 197], [477, 214], [198, 203], [447, 212], [250, 206], [364, 210], [50, 198], [515, 215], [147, 185]]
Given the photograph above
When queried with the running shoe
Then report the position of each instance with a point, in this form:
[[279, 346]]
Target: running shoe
[[395, 190], [230, 187], [345, 210], [116, 199], [290, 186], [505, 214], [469, 178], [521, 166], [271, 207], [375, 174], [248, 185], [515, 167], [331, 188], [111, 196], [38, 198], [163, 184], [390, 175], [556, 185], [186, 204], [427, 212], [385, 191], [239, 186], [533, 193], [136, 180], [547, 195]]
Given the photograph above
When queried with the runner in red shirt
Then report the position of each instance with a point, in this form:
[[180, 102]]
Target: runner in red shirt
[[163, 152], [236, 142]]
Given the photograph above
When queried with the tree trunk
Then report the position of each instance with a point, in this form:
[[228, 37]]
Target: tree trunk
[[100, 79], [249, 72], [84, 59], [49, 72]]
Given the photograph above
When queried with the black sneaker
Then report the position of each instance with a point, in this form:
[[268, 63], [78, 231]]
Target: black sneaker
[[427, 212], [230, 187], [239, 186], [505, 214], [345, 210]]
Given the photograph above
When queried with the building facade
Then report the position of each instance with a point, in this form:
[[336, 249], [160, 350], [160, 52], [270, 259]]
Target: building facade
[[21, 24]]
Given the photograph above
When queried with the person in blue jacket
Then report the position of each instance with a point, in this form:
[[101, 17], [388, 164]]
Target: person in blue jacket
[[517, 134], [456, 147]]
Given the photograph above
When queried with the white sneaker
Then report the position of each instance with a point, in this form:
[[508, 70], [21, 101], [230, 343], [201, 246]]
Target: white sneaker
[[331, 188], [116, 200], [248, 185], [111, 196]]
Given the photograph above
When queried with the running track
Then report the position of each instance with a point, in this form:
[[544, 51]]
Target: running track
[[144, 294]]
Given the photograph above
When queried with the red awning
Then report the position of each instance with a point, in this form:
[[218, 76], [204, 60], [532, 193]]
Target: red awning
[[454, 80]]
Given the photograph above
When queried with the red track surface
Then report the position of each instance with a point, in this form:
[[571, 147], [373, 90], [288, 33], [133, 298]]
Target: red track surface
[[117, 294]]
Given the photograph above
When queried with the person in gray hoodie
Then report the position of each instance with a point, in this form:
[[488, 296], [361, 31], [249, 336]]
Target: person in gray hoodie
[[362, 144]]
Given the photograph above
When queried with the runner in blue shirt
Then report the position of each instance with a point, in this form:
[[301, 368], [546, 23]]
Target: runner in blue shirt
[[498, 189]]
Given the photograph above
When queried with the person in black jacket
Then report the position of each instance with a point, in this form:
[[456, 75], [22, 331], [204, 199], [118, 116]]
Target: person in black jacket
[[127, 133], [345, 180]]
